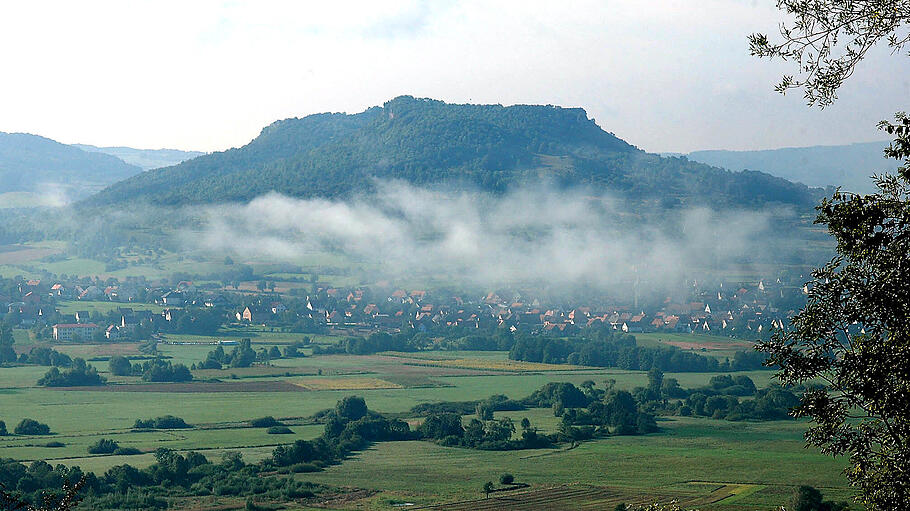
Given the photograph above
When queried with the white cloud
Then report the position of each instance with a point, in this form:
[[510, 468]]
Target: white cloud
[[666, 75], [562, 239]]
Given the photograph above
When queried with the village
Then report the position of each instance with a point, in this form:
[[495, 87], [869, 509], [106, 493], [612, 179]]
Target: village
[[140, 311]]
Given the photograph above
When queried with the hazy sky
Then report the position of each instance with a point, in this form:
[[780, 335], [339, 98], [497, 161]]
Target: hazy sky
[[664, 75]]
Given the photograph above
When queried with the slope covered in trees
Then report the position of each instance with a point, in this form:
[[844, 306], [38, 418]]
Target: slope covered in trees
[[428, 142], [30, 163]]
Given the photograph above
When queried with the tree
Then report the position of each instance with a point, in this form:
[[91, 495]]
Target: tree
[[120, 366], [855, 336], [7, 353], [103, 446], [488, 488], [31, 427], [243, 354], [351, 408], [484, 411], [853, 333], [6, 333], [828, 38], [506, 478], [81, 374], [808, 498], [655, 382]]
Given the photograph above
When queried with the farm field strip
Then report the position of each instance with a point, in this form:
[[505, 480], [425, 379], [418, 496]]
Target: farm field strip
[[560, 497], [492, 365], [345, 384]]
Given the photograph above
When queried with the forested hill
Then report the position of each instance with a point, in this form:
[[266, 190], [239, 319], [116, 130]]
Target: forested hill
[[425, 142], [849, 166], [32, 163]]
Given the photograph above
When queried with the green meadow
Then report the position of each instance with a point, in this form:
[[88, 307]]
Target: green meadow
[[761, 460]]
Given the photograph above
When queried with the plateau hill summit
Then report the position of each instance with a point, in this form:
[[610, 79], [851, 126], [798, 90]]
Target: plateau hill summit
[[431, 143]]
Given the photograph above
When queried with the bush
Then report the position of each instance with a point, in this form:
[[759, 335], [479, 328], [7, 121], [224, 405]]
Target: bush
[[120, 366], [506, 478], [302, 468], [279, 430], [55, 444], [103, 446], [265, 422], [127, 451], [3, 431], [159, 370], [808, 498], [163, 422], [31, 427], [81, 374]]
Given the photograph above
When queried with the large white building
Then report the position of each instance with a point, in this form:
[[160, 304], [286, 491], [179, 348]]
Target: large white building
[[75, 331]]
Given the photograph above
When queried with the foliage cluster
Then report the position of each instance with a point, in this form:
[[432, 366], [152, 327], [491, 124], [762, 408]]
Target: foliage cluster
[[80, 374]]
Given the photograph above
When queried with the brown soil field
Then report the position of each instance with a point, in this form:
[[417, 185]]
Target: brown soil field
[[345, 384], [12, 254], [99, 350]]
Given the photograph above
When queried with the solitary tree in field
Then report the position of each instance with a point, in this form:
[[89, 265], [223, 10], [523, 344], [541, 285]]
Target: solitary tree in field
[[488, 488], [854, 333]]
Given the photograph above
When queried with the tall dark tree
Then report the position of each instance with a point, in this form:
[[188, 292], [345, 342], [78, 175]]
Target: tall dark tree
[[854, 332], [7, 353]]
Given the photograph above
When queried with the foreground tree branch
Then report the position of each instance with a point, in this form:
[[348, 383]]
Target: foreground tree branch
[[828, 38]]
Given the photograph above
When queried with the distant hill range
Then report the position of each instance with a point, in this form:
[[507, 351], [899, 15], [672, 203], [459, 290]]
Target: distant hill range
[[428, 142], [37, 171], [848, 166], [144, 158], [30, 163]]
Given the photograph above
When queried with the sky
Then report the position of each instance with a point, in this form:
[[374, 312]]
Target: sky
[[665, 75]]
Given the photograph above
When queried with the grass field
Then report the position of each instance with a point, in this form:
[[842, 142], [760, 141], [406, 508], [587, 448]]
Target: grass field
[[716, 464], [481, 363], [73, 306], [716, 346], [769, 457]]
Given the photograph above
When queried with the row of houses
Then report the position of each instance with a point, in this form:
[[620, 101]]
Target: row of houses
[[740, 311], [722, 310]]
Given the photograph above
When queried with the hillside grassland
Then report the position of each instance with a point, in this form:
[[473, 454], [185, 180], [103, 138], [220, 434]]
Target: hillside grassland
[[755, 463]]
